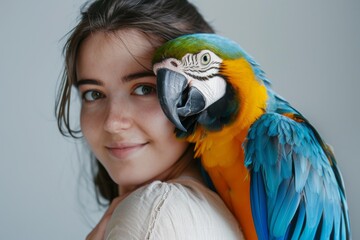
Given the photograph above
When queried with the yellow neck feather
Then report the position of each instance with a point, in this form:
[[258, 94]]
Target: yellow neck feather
[[252, 96], [252, 93]]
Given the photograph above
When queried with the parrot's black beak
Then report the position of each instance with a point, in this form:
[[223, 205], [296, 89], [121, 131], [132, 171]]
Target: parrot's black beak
[[176, 99]]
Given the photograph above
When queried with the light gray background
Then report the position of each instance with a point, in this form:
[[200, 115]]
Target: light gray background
[[309, 49]]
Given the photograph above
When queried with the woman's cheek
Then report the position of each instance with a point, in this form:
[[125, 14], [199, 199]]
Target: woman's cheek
[[90, 123]]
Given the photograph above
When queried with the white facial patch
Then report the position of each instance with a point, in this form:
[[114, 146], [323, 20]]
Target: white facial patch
[[202, 70], [212, 89]]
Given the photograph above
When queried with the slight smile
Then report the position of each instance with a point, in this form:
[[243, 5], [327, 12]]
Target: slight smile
[[121, 151]]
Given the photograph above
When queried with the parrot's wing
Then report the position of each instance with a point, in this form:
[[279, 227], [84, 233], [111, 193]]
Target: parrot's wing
[[296, 188]]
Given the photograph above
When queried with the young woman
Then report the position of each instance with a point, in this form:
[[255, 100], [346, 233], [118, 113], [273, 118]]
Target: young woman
[[150, 177]]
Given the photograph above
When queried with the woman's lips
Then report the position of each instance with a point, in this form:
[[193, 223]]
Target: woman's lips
[[124, 150]]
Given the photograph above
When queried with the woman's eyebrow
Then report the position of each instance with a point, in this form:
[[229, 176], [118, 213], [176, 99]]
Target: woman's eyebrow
[[126, 78], [88, 81], [136, 75]]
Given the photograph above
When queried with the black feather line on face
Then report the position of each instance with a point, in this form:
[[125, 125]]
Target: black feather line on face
[[200, 70], [203, 78]]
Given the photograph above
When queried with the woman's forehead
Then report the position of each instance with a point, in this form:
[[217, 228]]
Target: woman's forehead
[[137, 40], [125, 50], [139, 45]]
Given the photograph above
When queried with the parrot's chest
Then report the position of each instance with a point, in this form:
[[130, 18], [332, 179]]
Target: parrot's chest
[[220, 149], [223, 159]]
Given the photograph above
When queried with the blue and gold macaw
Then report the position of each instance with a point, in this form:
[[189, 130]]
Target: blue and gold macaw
[[266, 161]]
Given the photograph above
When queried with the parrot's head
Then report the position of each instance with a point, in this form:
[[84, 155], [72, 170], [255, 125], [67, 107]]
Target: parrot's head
[[192, 84]]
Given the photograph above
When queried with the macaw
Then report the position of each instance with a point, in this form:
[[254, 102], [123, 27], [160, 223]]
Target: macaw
[[267, 162]]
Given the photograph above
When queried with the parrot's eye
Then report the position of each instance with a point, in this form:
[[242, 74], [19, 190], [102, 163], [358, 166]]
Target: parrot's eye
[[205, 59]]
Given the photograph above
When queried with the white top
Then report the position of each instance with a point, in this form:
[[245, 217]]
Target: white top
[[180, 209]]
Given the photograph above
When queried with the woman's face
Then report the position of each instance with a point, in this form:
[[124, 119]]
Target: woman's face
[[121, 118]]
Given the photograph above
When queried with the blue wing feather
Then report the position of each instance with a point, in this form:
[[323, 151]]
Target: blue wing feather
[[295, 180], [259, 205]]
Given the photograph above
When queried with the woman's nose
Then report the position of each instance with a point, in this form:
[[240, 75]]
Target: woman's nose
[[118, 118]]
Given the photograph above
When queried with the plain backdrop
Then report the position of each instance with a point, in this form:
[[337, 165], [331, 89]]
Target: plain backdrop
[[309, 49]]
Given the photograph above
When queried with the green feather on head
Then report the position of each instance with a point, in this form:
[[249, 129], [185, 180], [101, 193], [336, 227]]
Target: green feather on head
[[194, 43]]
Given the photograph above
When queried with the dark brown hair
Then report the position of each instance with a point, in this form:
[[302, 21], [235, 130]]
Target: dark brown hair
[[163, 19]]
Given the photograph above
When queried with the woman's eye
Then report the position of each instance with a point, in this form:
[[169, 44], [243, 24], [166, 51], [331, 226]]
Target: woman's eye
[[142, 90], [91, 95]]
